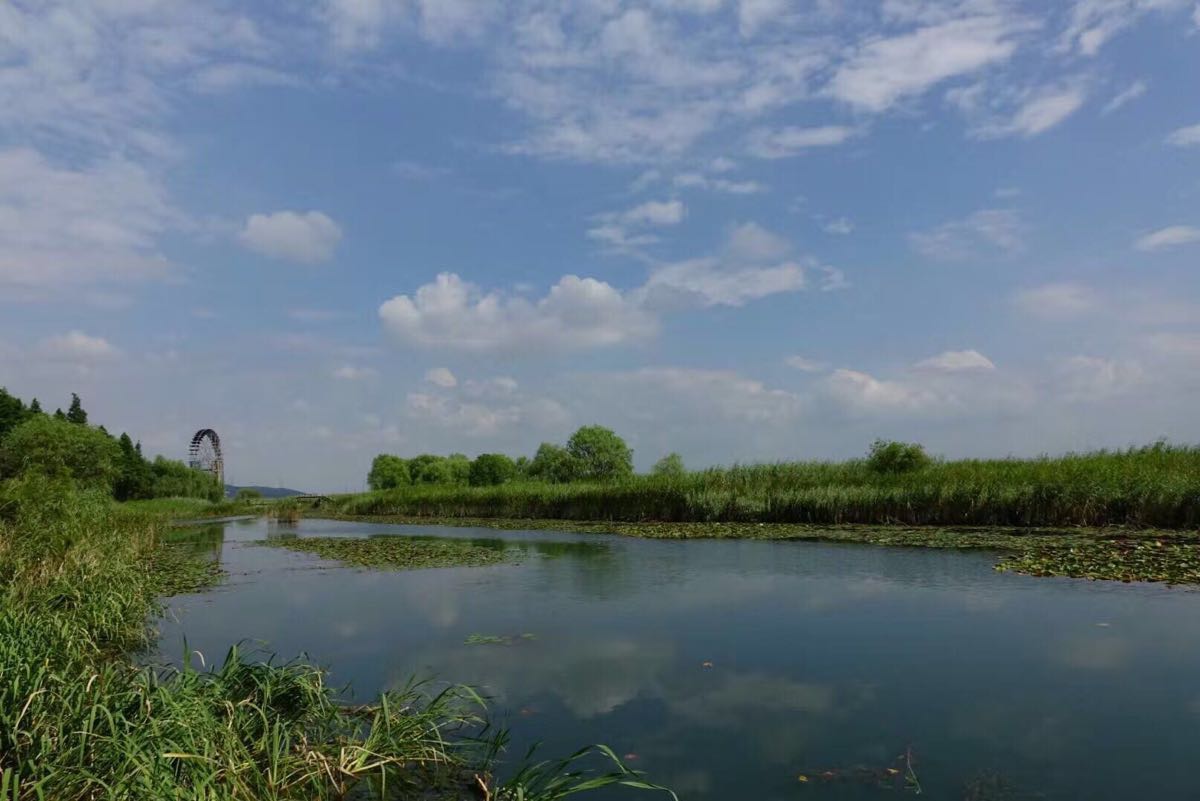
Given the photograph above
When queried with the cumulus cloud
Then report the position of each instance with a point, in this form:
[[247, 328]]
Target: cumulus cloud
[[953, 361], [304, 237], [441, 377], [1188, 136], [980, 233], [1169, 237], [455, 314], [626, 231], [1058, 300]]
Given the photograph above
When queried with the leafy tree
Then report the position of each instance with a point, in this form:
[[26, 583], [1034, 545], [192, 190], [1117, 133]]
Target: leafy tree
[[35, 406], [55, 448], [58, 415], [247, 494], [388, 472], [430, 469], [12, 412], [76, 414], [135, 480], [460, 468], [554, 464], [897, 457], [602, 455], [670, 466], [491, 469]]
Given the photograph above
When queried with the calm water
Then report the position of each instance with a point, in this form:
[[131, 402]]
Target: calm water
[[823, 657]]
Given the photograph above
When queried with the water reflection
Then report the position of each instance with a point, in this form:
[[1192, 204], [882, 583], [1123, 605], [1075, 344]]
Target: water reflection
[[726, 668]]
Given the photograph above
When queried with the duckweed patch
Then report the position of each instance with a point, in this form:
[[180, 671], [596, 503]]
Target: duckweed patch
[[404, 553]]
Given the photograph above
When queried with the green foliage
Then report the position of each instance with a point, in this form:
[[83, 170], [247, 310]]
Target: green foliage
[[247, 494], [76, 414], [53, 447], [897, 457], [135, 480], [35, 406], [670, 466], [459, 467], [172, 479], [12, 412], [601, 454], [388, 472], [491, 469], [1155, 487], [554, 464]]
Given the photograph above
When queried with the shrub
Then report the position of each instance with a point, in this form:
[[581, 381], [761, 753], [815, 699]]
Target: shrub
[[670, 466], [491, 469], [897, 457], [51, 447]]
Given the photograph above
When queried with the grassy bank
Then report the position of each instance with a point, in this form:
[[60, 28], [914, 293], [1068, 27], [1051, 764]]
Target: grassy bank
[[78, 577], [1154, 487]]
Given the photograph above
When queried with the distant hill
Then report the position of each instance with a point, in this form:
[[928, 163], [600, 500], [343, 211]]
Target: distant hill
[[267, 492]]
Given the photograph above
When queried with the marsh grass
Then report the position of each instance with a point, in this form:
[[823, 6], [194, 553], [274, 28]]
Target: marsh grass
[[78, 576], [1156, 487]]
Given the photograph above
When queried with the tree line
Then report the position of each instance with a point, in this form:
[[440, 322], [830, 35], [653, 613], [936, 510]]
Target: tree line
[[65, 445], [593, 453]]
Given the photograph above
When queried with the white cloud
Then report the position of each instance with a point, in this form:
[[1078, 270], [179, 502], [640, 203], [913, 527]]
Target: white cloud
[[78, 348], [1058, 301], [1169, 237], [984, 231], [863, 393], [1125, 96], [576, 313], [63, 227], [350, 372], [777, 143], [441, 377], [1088, 378], [953, 361], [304, 237], [753, 265], [1037, 113], [839, 227], [805, 364], [1188, 136], [667, 212], [884, 70], [729, 186], [753, 15], [1092, 23]]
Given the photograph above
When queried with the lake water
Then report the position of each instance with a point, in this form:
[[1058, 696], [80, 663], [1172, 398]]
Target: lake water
[[726, 669]]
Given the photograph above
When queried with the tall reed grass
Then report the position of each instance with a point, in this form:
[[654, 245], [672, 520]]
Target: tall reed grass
[[79, 721], [1156, 486]]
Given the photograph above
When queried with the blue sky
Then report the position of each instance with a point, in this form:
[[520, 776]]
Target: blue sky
[[738, 229]]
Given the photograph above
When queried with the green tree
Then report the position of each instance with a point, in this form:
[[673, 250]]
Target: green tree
[[554, 464], [76, 414], [58, 415], [430, 469], [55, 448], [388, 472], [460, 468], [172, 479], [670, 466], [897, 457], [247, 494], [602, 455], [135, 479], [491, 469], [35, 406], [12, 412]]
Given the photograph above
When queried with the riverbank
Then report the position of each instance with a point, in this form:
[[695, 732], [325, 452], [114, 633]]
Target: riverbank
[[80, 577], [1154, 487]]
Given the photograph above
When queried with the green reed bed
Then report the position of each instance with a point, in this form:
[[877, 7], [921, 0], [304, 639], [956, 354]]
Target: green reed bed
[[1155, 487], [78, 575]]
